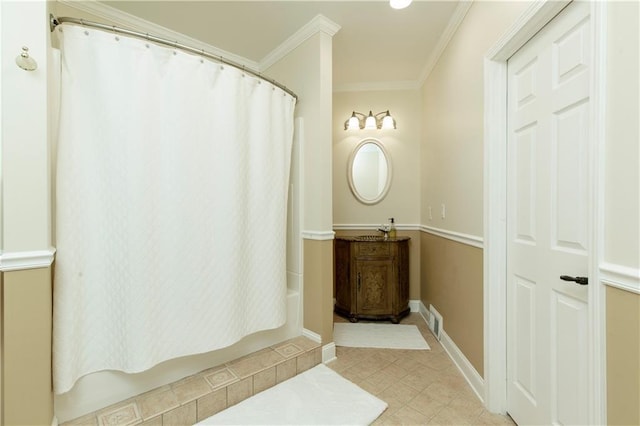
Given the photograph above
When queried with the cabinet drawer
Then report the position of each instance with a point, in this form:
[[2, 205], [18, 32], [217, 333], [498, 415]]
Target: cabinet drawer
[[373, 249]]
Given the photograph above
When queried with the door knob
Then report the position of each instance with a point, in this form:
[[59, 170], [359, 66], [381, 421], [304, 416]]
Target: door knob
[[577, 280]]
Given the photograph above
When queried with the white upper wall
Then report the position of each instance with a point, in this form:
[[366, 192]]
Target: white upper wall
[[453, 130], [402, 145], [307, 71], [24, 151], [622, 146]]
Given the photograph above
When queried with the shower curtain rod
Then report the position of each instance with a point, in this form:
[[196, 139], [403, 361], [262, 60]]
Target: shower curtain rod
[[54, 22]]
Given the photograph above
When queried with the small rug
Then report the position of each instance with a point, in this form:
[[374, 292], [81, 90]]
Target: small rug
[[319, 396], [384, 336]]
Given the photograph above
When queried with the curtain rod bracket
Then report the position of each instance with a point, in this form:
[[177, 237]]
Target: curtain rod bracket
[[53, 22]]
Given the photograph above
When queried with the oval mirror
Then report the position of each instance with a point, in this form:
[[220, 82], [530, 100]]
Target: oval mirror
[[369, 171]]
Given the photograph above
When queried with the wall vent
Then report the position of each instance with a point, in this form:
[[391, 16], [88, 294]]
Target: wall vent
[[435, 322]]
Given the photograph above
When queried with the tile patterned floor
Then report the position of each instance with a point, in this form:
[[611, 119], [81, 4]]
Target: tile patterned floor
[[421, 387]]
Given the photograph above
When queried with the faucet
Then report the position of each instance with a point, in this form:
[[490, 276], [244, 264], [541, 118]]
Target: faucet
[[385, 230]]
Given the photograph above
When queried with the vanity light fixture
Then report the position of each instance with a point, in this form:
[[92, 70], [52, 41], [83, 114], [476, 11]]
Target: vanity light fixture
[[381, 120], [399, 4]]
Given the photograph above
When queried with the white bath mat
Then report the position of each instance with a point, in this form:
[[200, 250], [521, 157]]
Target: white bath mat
[[319, 396], [370, 335]]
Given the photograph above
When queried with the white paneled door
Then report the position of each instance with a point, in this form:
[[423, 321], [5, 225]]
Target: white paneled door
[[547, 222]]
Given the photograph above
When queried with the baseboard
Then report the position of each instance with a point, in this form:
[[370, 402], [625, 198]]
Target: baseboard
[[427, 316], [414, 305], [328, 350], [424, 312], [312, 335], [468, 371], [329, 353]]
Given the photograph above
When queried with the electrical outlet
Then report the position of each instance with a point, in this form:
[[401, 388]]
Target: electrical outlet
[[430, 214], [443, 211]]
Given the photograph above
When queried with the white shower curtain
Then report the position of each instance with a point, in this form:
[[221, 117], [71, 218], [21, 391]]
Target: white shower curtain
[[172, 178]]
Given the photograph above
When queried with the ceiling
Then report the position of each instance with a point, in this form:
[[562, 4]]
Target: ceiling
[[377, 46]]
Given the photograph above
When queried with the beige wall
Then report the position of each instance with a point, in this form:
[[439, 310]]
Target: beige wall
[[402, 145], [318, 289], [623, 357], [451, 281], [26, 347]]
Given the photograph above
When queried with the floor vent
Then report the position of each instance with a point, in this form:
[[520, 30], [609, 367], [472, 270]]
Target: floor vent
[[435, 321]]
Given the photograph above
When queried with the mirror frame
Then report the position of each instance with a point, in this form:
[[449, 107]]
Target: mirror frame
[[387, 184]]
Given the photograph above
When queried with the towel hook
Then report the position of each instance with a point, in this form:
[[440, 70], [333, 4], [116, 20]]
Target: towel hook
[[24, 61]]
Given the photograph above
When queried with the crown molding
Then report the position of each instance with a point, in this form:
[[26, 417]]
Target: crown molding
[[535, 16], [377, 86], [319, 23], [455, 21], [135, 23]]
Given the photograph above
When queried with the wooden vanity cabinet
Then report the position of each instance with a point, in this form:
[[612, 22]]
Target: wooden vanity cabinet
[[371, 278]]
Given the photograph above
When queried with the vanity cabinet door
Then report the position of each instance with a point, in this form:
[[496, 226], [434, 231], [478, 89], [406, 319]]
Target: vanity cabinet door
[[371, 279], [374, 286]]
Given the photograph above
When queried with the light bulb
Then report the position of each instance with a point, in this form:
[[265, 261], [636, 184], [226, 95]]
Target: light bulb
[[399, 4], [354, 123], [370, 122], [388, 122]]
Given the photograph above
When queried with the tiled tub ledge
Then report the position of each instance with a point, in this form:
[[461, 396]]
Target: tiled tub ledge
[[202, 395]]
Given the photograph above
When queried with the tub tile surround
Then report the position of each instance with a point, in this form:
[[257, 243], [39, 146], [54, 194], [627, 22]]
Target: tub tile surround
[[204, 394]]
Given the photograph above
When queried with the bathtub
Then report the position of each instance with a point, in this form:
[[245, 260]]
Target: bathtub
[[98, 390]]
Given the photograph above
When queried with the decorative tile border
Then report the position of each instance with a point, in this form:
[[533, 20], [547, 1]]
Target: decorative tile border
[[288, 350], [121, 416], [221, 378], [204, 394]]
